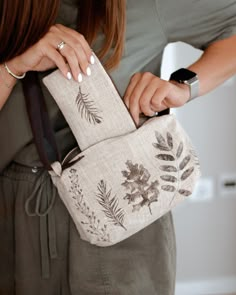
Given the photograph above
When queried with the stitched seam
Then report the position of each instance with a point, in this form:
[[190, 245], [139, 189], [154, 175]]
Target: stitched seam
[[104, 274], [17, 179], [163, 28], [21, 177]]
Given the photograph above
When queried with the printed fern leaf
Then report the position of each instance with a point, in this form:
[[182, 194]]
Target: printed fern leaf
[[87, 109], [110, 205]]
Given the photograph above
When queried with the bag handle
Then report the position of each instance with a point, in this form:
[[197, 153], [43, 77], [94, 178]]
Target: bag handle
[[39, 120]]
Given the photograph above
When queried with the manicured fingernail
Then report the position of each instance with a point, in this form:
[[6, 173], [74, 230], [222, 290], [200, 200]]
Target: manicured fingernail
[[88, 71], [69, 76], [92, 60], [80, 78]]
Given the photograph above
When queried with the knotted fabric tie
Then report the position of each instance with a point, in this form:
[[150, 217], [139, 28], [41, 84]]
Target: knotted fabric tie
[[40, 203]]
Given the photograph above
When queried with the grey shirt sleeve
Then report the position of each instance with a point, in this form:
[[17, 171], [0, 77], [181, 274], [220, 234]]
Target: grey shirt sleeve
[[198, 22]]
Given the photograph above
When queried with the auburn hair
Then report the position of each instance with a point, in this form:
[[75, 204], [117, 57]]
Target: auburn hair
[[24, 22], [108, 17]]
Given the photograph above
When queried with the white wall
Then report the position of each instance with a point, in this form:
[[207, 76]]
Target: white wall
[[206, 227]]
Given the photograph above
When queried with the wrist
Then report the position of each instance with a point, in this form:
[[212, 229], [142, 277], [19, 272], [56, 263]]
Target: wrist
[[7, 80], [185, 90], [16, 66]]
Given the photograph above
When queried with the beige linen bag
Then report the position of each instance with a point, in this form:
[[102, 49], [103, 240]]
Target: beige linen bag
[[124, 178]]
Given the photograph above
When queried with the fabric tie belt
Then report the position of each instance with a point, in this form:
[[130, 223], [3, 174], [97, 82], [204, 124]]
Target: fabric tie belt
[[40, 203]]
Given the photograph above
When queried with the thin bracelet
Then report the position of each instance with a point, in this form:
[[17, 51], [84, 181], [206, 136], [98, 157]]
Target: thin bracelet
[[5, 83], [12, 74]]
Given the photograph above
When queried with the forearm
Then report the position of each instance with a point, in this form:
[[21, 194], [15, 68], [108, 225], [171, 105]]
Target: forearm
[[7, 83], [217, 64]]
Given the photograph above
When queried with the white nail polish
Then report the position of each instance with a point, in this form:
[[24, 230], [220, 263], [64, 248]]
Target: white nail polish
[[69, 76], [88, 71], [92, 60], [80, 78]]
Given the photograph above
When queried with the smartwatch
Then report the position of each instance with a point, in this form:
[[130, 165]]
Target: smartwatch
[[185, 76]]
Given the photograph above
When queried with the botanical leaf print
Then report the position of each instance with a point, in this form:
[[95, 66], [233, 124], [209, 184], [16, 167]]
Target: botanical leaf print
[[140, 188], [169, 178], [165, 157], [168, 188], [87, 109], [161, 144], [187, 173], [179, 150], [160, 138], [161, 147], [168, 168], [179, 163], [110, 205], [185, 193], [170, 140], [91, 223], [184, 162]]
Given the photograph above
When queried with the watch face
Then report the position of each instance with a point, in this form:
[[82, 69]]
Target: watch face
[[182, 75]]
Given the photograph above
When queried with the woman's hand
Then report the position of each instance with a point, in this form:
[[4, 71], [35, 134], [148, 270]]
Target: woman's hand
[[146, 93], [72, 59]]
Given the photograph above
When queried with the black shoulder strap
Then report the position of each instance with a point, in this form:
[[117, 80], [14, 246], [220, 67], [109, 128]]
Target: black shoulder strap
[[39, 119]]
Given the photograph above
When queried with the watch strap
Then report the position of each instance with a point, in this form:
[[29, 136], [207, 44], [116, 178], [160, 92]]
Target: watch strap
[[194, 87], [187, 77]]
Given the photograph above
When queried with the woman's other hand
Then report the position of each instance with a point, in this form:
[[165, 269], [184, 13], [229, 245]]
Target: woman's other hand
[[73, 59], [147, 94]]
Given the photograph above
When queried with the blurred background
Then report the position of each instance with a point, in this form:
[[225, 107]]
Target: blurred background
[[206, 222]]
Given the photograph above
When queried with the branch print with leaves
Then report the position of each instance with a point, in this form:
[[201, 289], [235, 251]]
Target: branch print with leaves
[[92, 223], [87, 109], [177, 172], [110, 205], [141, 189]]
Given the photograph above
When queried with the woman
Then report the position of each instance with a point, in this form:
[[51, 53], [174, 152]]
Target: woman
[[42, 253]]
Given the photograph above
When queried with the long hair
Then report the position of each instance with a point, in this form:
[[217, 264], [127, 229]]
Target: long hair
[[108, 17], [23, 23]]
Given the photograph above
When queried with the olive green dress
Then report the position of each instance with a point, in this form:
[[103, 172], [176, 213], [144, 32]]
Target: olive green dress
[[40, 249]]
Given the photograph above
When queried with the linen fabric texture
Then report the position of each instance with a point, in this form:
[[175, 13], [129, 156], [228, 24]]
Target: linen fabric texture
[[124, 178]]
